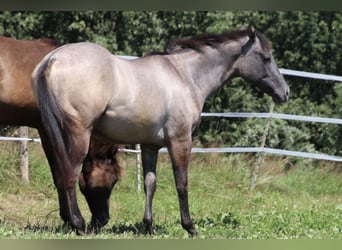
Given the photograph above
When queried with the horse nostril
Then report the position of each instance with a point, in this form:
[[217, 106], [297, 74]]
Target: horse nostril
[[287, 94]]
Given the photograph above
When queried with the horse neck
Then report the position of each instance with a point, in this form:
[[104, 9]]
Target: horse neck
[[207, 70]]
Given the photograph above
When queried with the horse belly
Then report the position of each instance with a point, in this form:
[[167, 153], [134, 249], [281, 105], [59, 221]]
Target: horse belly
[[19, 116], [126, 131]]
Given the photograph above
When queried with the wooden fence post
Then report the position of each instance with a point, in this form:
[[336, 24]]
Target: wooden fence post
[[24, 167], [138, 168]]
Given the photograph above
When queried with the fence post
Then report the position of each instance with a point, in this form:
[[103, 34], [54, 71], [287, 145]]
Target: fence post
[[260, 156], [138, 168], [24, 160]]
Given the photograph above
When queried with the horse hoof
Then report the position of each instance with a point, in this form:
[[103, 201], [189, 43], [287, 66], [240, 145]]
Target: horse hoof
[[150, 230], [80, 232], [192, 232], [99, 222]]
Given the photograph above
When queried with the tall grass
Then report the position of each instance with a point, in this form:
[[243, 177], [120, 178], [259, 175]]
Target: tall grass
[[294, 198]]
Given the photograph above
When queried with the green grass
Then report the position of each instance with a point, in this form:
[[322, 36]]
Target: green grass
[[294, 198]]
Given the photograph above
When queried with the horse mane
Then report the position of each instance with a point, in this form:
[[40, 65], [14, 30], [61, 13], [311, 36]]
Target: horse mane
[[50, 41], [102, 152], [154, 53], [198, 42]]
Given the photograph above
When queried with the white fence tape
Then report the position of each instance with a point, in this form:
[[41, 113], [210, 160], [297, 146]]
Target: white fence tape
[[251, 115], [219, 150], [252, 150], [277, 116], [127, 57], [4, 138], [291, 72]]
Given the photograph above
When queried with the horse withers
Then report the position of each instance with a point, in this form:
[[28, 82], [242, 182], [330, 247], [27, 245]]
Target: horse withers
[[155, 101], [18, 107]]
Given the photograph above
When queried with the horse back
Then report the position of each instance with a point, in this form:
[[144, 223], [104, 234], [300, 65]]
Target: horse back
[[18, 58]]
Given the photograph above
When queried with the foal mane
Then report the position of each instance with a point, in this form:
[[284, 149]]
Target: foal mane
[[102, 152], [198, 42]]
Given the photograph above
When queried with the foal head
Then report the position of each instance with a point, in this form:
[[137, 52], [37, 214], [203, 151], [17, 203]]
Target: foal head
[[99, 174], [247, 55], [256, 64]]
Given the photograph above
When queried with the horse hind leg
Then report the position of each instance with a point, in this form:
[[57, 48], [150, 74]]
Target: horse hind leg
[[149, 162], [77, 153], [65, 170]]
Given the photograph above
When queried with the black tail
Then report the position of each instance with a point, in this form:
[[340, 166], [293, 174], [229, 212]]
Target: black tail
[[56, 123]]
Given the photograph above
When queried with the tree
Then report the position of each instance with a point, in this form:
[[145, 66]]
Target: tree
[[308, 41]]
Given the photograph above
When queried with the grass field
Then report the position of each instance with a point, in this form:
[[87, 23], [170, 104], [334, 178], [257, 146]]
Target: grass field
[[294, 198]]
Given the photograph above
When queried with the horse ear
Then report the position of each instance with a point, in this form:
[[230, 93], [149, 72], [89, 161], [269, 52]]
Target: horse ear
[[251, 31]]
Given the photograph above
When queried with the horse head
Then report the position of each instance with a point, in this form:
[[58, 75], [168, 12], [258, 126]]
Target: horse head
[[257, 65], [99, 174]]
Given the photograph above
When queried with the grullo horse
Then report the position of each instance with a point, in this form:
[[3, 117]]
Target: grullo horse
[[82, 89]]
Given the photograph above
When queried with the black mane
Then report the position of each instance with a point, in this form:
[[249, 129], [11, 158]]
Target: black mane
[[50, 41], [209, 39]]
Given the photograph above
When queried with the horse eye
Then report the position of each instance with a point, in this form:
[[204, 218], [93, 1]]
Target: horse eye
[[266, 57]]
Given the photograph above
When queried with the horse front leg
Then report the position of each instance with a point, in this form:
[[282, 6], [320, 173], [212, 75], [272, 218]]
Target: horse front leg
[[180, 151], [149, 161]]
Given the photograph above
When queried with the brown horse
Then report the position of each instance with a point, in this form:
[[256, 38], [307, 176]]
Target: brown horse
[[155, 101], [18, 107]]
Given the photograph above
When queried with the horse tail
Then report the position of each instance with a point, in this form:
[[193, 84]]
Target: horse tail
[[56, 122]]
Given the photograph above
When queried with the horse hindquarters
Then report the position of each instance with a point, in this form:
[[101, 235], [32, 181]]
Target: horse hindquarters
[[65, 174], [65, 143]]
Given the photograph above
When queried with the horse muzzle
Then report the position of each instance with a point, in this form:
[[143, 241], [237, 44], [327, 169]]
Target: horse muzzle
[[281, 96]]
